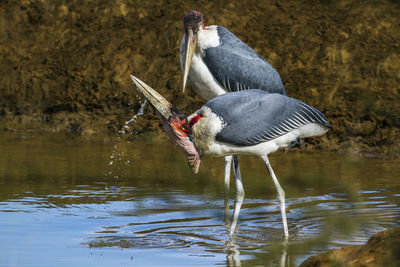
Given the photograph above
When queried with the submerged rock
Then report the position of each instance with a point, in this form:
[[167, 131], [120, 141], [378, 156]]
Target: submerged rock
[[382, 249]]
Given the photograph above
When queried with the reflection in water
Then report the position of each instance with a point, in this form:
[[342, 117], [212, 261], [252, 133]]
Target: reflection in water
[[232, 248], [62, 202], [233, 253], [284, 252]]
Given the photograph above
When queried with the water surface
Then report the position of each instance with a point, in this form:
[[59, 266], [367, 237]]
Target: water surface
[[70, 201]]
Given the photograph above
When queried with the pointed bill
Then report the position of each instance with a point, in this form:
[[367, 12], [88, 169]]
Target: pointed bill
[[156, 100], [191, 42], [175, 123]]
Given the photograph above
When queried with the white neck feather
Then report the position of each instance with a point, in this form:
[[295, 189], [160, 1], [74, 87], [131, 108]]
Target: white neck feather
[[207, 38]]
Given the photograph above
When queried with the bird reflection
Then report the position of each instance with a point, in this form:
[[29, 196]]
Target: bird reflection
[[284, 255], [232, 248], [232, 257], [231, 223]]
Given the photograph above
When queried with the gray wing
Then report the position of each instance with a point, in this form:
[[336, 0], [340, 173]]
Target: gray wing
[[254, 116], [237, 67]]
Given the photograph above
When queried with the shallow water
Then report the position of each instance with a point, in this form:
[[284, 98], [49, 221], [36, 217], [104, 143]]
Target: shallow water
[[63, 204]]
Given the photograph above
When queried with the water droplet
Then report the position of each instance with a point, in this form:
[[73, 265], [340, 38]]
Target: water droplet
[[140, 112], [117, 157]]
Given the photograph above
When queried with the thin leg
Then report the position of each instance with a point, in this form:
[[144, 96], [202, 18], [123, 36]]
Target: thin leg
[[281, 194], [226, 208], [238, 176], [228, 163], [239, 195], [238, 206]]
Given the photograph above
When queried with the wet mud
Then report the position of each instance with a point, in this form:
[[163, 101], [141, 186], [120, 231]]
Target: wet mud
[[65, 64]]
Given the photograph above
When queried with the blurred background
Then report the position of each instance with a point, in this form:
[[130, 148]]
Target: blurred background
[[65, 65]]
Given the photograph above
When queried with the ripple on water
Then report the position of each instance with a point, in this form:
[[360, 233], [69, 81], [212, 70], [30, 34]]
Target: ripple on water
[[172, 233], [259, 220], [63, 196]]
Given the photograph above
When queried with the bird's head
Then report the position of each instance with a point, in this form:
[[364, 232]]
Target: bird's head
[[193, 21], [175, 123]]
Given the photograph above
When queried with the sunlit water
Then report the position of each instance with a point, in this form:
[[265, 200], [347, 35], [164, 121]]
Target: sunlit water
[[58, 208]]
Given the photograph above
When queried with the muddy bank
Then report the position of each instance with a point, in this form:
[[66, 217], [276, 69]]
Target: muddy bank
[[65, 64], [382, 249]]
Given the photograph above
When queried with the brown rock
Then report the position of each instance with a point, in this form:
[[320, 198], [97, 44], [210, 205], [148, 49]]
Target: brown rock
[[382, 249]]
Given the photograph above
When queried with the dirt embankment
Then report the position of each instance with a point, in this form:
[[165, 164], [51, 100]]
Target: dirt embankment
[[66, 63]]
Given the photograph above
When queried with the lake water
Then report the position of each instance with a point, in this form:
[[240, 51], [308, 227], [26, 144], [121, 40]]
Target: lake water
[[67, 201]]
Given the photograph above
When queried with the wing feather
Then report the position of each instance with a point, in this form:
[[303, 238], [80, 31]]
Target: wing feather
[[240, 66], [255, 116]]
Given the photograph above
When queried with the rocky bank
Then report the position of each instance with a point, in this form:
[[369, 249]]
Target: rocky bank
[[382, 249]]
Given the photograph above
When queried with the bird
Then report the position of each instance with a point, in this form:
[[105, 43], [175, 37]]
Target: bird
[[215, 61], [250, 122]]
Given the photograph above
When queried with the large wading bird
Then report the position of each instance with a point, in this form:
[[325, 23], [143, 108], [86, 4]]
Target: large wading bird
[[251, 122], [215, 61]]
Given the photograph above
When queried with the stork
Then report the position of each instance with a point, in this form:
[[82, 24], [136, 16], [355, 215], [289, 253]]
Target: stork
[[215, 61], [251, 122]]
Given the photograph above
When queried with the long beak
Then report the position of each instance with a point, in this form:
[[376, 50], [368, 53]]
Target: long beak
[[171, 114], [191, 42], [156, 100], [175, 123]]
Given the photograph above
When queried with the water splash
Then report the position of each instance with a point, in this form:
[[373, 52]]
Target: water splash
[[118, 155], [133, 119]]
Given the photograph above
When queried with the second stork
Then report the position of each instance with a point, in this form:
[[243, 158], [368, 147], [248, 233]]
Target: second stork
[[215, 61]]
